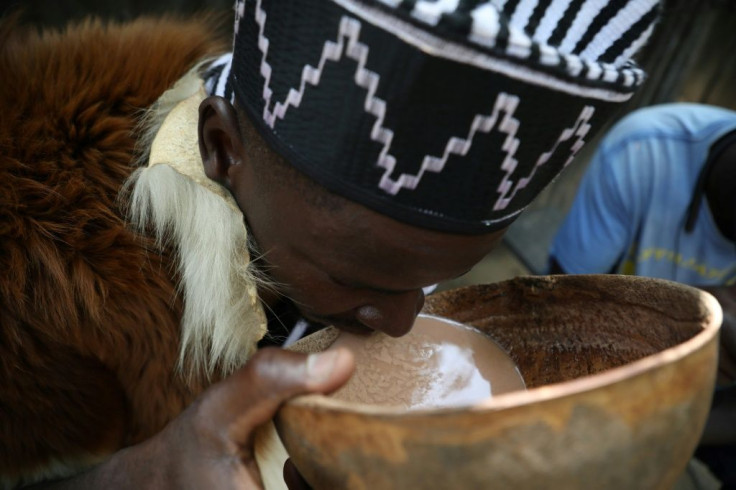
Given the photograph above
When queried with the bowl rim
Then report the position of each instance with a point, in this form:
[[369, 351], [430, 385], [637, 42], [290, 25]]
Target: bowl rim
[[541, 393]]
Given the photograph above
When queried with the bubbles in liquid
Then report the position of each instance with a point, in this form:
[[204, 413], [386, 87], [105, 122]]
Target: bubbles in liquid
[[439, 363]]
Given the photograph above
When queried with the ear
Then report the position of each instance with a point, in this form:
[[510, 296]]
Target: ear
[[220, 140]]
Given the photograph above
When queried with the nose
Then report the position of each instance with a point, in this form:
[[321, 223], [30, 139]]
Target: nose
[[392, 314]]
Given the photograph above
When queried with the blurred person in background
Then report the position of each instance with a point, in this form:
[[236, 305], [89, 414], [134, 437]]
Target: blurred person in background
[[659, 200]]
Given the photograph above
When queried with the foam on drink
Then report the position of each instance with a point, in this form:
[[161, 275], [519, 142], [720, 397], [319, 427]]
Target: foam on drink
[[439, 363]]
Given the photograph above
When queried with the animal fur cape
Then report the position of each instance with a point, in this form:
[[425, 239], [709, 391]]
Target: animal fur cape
[[89, 309]]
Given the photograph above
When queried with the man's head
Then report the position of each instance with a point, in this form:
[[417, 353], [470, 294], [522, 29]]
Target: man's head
[[418, 130], [339, 262]]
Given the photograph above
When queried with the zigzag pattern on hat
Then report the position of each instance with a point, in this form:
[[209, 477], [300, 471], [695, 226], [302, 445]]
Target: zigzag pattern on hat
[[333, 51], [596, 37], [458, 146], [579, 129], [445, 114]]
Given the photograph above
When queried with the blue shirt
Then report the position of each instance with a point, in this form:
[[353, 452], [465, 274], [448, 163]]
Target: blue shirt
[[629, 213]]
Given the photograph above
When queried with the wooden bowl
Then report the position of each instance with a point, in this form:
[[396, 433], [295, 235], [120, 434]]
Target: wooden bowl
[[620, 372]]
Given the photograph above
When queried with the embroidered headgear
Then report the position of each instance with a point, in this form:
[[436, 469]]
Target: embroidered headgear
[[448, 114]]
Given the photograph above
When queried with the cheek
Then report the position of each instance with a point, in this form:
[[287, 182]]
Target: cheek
[[314, 293]]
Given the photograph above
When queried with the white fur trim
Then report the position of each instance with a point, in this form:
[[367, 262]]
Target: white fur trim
[[223, 317]]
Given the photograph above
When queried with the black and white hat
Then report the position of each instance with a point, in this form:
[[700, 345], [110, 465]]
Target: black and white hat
[[447, 114]]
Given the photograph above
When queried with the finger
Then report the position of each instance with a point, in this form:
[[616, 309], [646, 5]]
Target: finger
[[253, 394]]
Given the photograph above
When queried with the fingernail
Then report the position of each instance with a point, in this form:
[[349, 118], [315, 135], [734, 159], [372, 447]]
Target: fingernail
[[321, 365]]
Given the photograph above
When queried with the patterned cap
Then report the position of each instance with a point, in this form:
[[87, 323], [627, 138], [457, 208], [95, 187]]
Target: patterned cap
[[447, 114]]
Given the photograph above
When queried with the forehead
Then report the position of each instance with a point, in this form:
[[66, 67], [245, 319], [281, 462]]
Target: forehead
[[366, 247]]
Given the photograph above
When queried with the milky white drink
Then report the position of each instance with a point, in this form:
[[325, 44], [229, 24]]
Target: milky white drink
[[438, 364]]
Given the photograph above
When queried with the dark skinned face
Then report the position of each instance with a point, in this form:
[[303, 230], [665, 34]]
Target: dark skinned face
[[346, 266]]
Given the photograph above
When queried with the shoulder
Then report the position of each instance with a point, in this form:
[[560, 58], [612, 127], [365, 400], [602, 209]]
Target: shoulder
[[683, 122]]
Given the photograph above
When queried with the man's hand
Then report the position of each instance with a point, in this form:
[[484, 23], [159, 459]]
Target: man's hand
[[210, 445], [212, 442]]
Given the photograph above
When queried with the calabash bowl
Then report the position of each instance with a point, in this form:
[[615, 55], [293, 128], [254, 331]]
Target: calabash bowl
[[619, 371]]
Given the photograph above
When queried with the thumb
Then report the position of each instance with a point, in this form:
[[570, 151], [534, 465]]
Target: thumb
[[253, 394]]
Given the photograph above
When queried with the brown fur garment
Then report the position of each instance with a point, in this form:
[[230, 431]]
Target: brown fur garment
[[88, 311]]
